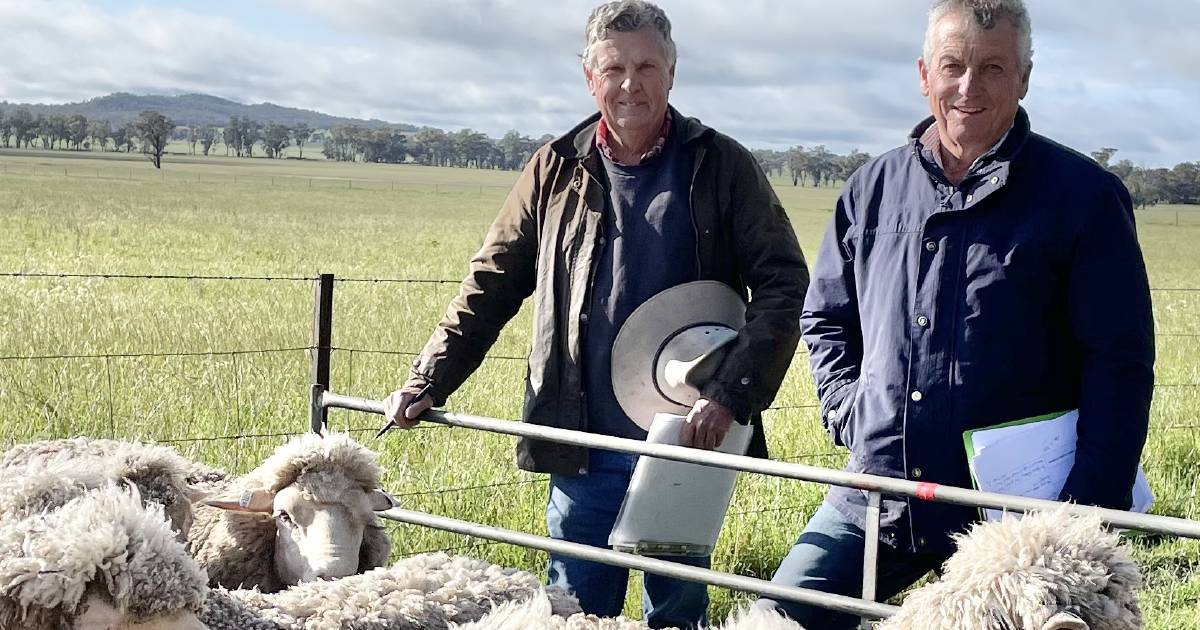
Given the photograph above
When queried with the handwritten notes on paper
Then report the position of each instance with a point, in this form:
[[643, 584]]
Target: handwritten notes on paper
[[1033, 460]]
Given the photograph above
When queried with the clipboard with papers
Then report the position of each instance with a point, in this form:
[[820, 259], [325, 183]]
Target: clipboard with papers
[[1032, 458]]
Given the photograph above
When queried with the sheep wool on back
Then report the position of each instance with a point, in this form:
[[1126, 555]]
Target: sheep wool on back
[[537, 614], [425, 592], [159, 472], [1023, 573]]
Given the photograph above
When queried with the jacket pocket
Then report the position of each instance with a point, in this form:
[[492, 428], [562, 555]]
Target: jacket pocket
[[841, 429]]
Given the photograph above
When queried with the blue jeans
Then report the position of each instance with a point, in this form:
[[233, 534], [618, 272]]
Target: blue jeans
[[584, 509], [828, 557]]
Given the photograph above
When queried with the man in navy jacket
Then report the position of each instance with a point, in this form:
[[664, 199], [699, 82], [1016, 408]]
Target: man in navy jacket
[[981, 274]]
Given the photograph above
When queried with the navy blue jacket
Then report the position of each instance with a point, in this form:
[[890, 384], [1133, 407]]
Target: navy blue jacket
[[936, 308]]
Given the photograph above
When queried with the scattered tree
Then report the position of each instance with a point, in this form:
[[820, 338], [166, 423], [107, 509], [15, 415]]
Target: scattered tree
[[301, 134], [275, 139], [208, 137], [154, 129]]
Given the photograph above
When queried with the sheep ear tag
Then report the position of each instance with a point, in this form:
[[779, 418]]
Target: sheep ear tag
[[382, 501], [260, 501], [1065, 621]]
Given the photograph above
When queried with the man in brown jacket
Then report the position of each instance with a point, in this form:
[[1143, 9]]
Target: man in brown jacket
[[636, 199]]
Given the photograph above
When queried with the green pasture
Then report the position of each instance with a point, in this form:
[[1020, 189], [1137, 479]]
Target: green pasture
[[96, 213]]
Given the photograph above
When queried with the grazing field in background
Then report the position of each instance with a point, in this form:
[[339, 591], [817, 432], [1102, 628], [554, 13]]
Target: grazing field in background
[[219, 369]]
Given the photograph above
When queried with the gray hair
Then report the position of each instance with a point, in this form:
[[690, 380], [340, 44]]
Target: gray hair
[[983, 15], [626, 16]]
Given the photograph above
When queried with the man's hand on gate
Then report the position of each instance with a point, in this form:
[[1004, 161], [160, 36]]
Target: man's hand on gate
[[706, 425], [405, 405]]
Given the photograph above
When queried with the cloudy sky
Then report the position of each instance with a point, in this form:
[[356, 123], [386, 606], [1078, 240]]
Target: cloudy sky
[[772, 73]]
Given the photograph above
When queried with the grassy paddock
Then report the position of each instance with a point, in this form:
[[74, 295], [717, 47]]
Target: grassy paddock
[[409, 222]]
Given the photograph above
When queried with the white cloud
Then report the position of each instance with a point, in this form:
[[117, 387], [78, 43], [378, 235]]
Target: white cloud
[[770, 72]]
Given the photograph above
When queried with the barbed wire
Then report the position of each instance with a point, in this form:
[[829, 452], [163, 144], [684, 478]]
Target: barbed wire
[[286, 278], [474, 545], [135, 355], [409, 353], [486, 486], [783, 508]]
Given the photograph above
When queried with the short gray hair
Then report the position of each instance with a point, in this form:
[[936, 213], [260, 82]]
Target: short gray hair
[[983, 15], [625, 16]]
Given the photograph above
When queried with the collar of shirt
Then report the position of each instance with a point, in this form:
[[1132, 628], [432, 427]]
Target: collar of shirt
[[931, 141], [602, 140]]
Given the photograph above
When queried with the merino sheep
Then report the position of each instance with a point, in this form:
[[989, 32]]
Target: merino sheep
[[122, 568], [306, 513], [1045, 571], [426, 592], [158, 472]]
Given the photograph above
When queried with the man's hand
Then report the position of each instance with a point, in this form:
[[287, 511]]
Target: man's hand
[[400, 409], [706, 425]]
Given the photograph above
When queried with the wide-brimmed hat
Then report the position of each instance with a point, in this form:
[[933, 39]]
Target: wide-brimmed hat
[[671, 345]]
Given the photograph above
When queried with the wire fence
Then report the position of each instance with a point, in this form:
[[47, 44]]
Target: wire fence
[[825, 456]]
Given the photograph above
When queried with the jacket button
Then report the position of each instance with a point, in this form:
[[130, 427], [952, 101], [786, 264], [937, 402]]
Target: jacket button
[[576, 184], [583, 471], [995, 180], [916, 473], [583, 318], [831, 414], [745, 380], [922, 321], [920, 542], [917, 395], [931, 246]]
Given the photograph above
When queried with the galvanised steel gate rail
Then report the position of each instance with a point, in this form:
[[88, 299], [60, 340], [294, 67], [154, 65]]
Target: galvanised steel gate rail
[[322, 399]]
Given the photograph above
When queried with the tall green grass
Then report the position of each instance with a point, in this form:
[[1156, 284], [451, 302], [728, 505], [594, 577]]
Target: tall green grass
[[416, 223]]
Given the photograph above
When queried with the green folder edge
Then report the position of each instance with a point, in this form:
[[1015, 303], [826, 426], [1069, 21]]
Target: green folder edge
[[970, 446]]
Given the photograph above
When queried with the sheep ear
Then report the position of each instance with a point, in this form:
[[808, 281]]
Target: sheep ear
[[1065, 621], [381, 501], [260, 501]]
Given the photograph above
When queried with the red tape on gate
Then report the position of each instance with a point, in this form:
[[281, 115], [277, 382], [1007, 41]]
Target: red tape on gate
[[926, 491]]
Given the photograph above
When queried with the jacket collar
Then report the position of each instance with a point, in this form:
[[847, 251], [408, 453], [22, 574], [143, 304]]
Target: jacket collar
[[580, 142], [1004, 153]]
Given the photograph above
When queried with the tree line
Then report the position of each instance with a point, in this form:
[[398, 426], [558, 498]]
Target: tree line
[[816, 166], [149, 133], [1152, 186], [467, 148]]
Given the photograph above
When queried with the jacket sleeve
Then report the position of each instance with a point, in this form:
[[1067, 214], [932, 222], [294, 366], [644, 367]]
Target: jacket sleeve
[[831, 323], [772, 266], [1111, 317], [502, 274]]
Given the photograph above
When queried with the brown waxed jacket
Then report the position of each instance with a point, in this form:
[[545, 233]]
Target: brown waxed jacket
[[544, 243]]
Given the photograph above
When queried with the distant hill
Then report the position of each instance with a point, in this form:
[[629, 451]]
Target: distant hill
[[194, 110]]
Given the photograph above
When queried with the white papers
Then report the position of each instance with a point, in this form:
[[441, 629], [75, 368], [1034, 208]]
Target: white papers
[[675, 508], [1033, 460]]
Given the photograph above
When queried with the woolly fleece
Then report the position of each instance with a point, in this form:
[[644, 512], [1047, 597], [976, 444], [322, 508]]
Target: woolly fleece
[[119, 549], [238, 548], [430, 591], [159, 472], [1019, 573], [536, 614]]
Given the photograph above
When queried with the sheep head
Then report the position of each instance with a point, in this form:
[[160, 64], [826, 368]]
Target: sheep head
[[322, 493]]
